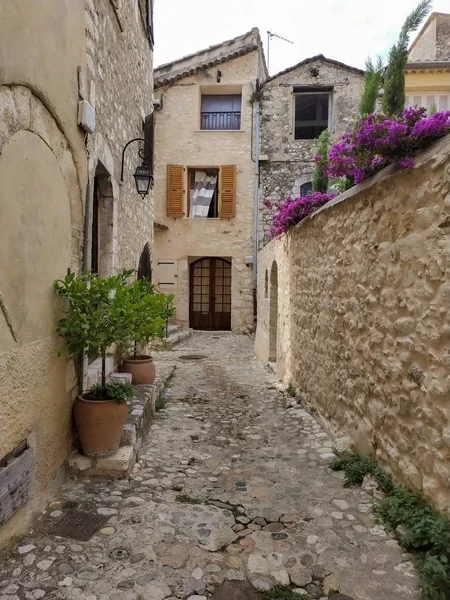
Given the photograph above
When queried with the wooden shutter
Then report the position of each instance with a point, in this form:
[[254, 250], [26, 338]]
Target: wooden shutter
[[227, 191], [149, 136], [175, 174]]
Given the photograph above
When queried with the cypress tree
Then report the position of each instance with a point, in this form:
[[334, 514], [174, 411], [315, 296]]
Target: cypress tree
[[319, 179], [394, 79], [372, 84]]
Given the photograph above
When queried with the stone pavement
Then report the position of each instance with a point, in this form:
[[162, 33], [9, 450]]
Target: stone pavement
[[230, 486]]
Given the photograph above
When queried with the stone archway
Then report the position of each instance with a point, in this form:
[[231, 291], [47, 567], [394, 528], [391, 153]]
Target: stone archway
[[273, 313]]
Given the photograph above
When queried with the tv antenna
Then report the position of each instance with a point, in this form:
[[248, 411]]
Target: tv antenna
[[271, 35]]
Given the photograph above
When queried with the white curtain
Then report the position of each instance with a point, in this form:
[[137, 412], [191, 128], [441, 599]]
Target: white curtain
[[204, 188]]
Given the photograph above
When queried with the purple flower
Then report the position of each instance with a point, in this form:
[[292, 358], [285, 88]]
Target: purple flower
[[406, 162], [294, 210]]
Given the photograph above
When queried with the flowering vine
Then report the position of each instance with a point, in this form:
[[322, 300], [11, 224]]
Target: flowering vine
[[378, 141], [294, 210]]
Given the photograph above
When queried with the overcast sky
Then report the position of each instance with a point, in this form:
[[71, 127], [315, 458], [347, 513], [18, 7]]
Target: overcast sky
[[345, 30]]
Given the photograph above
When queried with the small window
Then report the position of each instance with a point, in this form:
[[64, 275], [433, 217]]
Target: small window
[[266, 284], [203, 200], [221, 112], [311, 115], [306, 188]]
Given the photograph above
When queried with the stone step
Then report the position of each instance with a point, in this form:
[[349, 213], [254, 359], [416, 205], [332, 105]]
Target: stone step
[[178, 336], [140, 413]]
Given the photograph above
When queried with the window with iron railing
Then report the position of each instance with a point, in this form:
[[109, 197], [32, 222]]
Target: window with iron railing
[[221, 112]]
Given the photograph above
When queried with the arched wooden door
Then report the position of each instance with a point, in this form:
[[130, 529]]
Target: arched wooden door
[[210, 294]]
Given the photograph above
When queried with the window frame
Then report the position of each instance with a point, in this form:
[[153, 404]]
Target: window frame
[[308, 183], [190, 171], [231, 95], [410, 95], [312, 92]]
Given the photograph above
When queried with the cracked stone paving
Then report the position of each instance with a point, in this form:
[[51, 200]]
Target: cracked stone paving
[[232, 487]]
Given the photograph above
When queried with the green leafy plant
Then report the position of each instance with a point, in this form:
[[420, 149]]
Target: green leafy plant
[[372, 84], [394, 78], [419, 527], [99, 314], [147, 315], [113, 390], [160, 402], [283, 592], [319, 179]]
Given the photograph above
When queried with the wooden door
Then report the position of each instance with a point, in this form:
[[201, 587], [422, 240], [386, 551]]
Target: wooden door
[[210, 294]]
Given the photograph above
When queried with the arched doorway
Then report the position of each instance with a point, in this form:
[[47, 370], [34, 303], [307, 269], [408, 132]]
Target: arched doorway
[[210, 294], [273, 313]]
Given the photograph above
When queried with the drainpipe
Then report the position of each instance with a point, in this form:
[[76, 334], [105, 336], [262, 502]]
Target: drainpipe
[[257, 142]]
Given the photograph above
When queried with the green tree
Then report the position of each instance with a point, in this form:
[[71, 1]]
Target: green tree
[[319, 179], [372, 85], [394, 79]]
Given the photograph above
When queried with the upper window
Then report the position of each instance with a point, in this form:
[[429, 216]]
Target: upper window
[[432, 101], [311, 115], [221, 112]]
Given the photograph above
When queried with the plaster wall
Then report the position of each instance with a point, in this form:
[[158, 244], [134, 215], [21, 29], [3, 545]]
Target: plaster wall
[[179, 141], [42, 180], [368, 313]]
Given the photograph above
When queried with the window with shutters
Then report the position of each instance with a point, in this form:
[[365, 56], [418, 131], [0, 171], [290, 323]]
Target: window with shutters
[[146, 7], [201, 192], [149, 136], [311, 113], [306, 188]]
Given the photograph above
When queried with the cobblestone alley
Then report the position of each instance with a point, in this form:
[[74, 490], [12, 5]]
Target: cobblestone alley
[[231, 486]]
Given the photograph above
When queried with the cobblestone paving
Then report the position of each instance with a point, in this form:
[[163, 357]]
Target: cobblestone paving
[[230, 486]]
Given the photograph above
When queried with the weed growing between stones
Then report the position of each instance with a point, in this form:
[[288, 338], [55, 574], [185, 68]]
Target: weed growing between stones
[[283, 592], [419, 528], [291, 391], [185, 499], [161, 401], [191, 400]]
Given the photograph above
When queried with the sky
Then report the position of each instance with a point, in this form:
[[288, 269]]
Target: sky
[[344, 30]]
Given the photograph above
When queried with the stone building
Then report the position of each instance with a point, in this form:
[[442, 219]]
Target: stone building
[[296, 105], [61, 207], [205, 177], [427, 72]]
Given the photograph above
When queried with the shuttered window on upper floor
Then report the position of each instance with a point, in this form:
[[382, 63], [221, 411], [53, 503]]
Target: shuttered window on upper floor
[[211, 192]]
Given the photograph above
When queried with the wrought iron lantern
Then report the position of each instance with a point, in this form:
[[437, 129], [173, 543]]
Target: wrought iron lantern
[[142, 176]]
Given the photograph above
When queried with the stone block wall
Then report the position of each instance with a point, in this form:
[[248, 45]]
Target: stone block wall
[[290, 162], [369, 343], [119, 84]]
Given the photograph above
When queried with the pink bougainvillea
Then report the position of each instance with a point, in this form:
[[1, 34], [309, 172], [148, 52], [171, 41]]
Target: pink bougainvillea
[[294, 210], [378, 141]]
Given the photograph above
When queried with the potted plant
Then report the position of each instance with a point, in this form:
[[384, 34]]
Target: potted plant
[[98, 317], [150, 313]]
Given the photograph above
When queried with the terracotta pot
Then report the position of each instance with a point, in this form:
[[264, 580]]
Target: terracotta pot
[[99, 424], [142, 368]]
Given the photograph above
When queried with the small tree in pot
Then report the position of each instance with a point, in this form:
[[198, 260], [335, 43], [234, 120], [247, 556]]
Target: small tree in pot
[[99, 316], [150, 312]]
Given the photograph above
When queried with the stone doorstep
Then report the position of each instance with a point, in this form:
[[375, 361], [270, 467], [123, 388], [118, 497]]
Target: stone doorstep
[[140, 413]]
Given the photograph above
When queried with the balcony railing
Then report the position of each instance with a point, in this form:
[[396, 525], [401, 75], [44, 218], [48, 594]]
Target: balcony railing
[[221, 120]]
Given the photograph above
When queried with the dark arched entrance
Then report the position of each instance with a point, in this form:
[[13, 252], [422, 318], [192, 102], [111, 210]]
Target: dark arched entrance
[[210, 294]]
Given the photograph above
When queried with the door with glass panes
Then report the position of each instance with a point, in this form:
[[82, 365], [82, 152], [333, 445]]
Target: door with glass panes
[[210, 294]]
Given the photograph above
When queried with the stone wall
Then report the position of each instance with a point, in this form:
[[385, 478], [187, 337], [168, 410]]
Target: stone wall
[[369, 330], [119, 84], [443, 38], [42, 181], [290, 162], [179, 141]]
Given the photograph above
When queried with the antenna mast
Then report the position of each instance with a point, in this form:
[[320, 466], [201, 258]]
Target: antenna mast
[[271, 35]]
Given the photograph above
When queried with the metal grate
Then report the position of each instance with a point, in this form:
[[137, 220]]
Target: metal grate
[[78, 525]]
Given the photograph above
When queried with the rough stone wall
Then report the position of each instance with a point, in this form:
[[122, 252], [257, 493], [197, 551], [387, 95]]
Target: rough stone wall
[[425, 46], [42, 181], [369, 327], [291, 162], [120, 86], [443, 37], [179, 141]]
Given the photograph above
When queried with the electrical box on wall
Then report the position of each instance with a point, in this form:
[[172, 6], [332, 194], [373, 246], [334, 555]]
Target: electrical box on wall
[[249, 260], [86, 116]]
